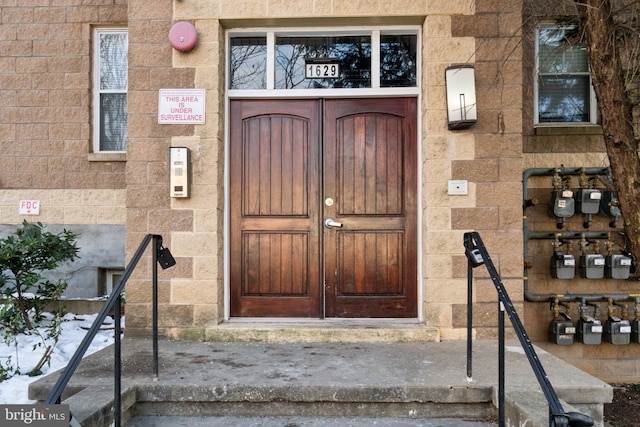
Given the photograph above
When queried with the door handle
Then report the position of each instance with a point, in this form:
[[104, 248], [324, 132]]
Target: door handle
[[330, 223]]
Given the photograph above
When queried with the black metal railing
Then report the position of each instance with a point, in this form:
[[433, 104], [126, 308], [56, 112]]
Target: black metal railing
[[161, 256], [477, 255]]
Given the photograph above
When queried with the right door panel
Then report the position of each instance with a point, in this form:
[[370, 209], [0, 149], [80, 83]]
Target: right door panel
[[370, 182]]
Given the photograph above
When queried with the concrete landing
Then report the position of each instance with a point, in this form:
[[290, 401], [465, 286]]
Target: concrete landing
[[418, 381]]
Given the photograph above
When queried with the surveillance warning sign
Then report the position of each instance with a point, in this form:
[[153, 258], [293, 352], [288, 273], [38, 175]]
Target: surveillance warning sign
[[181, 106]]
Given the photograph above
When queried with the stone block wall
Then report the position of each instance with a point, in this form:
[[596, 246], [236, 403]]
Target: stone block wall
[[493, 164], [45, 110], [45, 123], [488, 155], [45, 93], [149, 207]]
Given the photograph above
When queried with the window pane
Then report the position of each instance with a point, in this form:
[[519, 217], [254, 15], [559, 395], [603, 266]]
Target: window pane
[[563, 99], [248, 63], [557, 55], [113, 61], [352, 52], [398, 60], [113, 122]]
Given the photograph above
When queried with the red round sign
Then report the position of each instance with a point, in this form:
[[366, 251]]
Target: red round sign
[[183, 36]]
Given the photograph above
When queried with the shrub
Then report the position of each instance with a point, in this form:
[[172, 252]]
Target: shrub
[[25, 291]]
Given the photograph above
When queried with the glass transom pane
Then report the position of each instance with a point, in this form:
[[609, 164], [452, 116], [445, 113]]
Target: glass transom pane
[[353, 53], [398, 66], [113, 61], [248, 63]]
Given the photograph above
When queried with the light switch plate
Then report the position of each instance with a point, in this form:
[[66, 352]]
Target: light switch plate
[[458, 187]]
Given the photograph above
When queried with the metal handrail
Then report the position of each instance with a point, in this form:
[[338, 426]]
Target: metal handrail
[[161, 256], [477, 255]]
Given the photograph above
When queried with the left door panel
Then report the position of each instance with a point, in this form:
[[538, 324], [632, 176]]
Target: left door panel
[[275, 259]]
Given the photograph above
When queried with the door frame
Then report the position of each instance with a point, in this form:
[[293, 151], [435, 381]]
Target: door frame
[[316, 94], [227, 234]]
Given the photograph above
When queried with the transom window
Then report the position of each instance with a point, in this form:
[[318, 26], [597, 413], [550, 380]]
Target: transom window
[[360, 59], [348, 56], [564, 92]]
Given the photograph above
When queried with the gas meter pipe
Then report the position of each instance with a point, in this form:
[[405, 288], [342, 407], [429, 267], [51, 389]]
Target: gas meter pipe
[[527, 235]]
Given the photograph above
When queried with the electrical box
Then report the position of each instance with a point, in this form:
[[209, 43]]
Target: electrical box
[[180, 172], [592, 266], [617, 266], [458, 187], [617, 331], [589, 200]]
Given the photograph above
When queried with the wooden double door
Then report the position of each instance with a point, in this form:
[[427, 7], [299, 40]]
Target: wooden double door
[[296, 164]]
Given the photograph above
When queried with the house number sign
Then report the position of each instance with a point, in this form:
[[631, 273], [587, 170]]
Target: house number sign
[[322, 69]]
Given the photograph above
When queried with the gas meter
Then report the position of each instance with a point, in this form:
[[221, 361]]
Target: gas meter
[[562, 205], [589, 200], [589, 328], [617, 266], [617, 330], [591, 265], [635, 325], [561, 328], [609, 206], [563, 264], [588, 197]]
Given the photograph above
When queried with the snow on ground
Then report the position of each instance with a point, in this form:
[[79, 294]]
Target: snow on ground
[[74, 329]]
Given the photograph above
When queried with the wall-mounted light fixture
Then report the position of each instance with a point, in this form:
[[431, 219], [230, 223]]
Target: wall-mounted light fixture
[[461, 96]]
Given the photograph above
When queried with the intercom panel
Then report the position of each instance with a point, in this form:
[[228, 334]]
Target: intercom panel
[[180, 172]]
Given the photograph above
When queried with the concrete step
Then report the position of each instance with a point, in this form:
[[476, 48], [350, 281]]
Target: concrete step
[[530, 409], [303, 422], [326, 330], [407, 381], [162, 405]]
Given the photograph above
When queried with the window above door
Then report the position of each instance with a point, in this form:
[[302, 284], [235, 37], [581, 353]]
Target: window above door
[[374, 60]]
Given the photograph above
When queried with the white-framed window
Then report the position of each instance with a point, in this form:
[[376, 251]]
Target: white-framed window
[[110, 84], [563, 91], [296, 61], [113, 277], [108, 278]]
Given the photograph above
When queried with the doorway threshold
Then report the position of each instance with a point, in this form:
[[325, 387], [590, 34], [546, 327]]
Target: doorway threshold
[[322, 330]]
